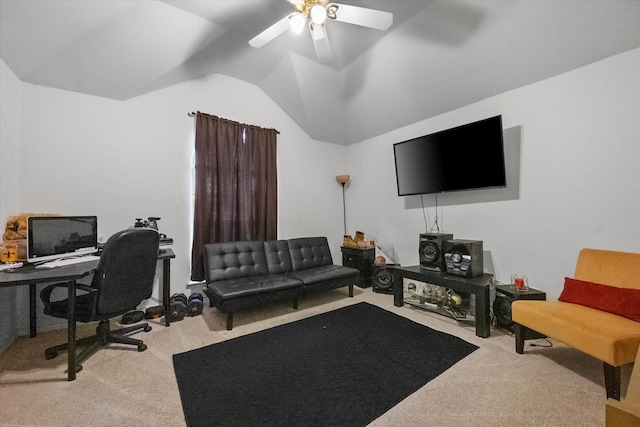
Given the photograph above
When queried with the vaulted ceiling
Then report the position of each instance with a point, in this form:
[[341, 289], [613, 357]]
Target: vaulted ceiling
[[436, 56]]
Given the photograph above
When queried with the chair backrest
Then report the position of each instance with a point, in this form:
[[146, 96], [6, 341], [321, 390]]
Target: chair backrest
[[125, 273], [621, 269]]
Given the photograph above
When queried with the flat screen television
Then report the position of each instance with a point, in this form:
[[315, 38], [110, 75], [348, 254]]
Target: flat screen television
[[466, 157], [54, 237]]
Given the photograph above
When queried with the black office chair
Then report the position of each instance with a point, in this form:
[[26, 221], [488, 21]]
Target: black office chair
[[122, 280]]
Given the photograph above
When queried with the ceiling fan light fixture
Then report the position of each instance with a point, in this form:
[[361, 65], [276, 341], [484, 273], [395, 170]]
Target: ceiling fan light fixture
[[318, 14], [297, 21]]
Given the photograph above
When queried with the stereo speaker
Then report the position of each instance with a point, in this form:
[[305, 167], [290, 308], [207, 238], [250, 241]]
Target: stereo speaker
[[505, 296], [383, 278], [463, 257], [431, 250]]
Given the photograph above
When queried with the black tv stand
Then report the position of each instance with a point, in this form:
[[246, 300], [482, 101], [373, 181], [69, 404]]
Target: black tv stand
[[479, 286]]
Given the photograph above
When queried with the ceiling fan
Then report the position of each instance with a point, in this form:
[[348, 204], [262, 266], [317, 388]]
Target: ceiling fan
[[317, 12]]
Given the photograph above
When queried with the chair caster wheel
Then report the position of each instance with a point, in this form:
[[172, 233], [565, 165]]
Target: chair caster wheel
[[50, 354], [147, 328], [142, 347]]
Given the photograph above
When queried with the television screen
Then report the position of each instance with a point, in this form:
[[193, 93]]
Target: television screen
[[466, 157], [53, 237]]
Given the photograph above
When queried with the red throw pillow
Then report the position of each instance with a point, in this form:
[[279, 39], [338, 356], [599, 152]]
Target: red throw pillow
[[621, 301]]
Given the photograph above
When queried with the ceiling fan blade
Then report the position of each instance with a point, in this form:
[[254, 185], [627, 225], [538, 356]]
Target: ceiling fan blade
[[321, 42], [371, 18], [272, 32]]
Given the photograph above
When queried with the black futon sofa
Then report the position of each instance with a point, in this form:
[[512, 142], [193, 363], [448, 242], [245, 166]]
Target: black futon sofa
[[250, 273]]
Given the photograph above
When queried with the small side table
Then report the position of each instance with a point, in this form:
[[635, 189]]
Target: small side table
[[362, 259], [505, 295]]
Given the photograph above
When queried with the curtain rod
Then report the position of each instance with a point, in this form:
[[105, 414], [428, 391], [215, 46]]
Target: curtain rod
[[192, 114]]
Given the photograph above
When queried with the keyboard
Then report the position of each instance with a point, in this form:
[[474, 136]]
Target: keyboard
[[68, 261], [10, 266]]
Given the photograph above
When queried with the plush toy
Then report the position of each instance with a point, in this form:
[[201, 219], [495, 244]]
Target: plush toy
[[16, 228]]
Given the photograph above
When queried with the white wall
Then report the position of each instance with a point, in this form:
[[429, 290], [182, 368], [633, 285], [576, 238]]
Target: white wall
[[573, 150]]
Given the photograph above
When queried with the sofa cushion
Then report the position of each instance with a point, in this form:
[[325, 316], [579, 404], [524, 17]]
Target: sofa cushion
[[605, 336], [235, 294], [621, 301], [277, 256], [230, 260], [326, 277], [254, 285], [309, 252]]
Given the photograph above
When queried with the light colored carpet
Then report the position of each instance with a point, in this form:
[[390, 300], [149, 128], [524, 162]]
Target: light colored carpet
[[494, 386]]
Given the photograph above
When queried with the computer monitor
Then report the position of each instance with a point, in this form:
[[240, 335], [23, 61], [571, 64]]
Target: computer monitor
[[54, 237]]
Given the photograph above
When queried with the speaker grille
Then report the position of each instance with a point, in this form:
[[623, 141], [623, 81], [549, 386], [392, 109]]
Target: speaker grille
[[464, 257], [383, 279], [502, 311], [431, 250], [502, 307]]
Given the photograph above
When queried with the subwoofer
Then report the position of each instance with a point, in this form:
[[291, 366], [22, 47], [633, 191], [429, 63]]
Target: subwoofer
[[384, 279], [463, 257], [431, 250], [505, 296]]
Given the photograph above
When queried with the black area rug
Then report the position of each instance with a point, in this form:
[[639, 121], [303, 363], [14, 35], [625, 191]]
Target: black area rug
[[342, 368]]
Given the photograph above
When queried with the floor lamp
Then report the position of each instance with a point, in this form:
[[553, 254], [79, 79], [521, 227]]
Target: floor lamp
[[342, 180]]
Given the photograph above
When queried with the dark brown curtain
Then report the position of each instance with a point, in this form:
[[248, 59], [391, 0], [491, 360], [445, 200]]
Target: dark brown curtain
[[236, 187]]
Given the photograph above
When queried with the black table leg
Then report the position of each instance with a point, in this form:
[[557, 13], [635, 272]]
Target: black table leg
[[483, 317], [166, 277], [398, 280], [71, 330], [612, 381], [32, 310]]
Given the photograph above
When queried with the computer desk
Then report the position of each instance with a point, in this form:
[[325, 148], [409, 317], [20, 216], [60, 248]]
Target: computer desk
[[31, 276]]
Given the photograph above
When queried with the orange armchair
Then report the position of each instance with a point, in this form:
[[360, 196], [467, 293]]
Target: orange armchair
[[611, 338]]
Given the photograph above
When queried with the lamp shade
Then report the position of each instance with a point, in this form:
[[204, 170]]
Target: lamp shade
[[342, 179]]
